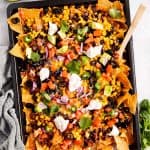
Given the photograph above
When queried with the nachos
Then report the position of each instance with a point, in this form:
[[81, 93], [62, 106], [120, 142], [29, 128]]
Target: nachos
[[75, 89]]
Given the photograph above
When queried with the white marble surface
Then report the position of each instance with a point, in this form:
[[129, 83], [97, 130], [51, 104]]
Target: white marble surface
[[141, 41]]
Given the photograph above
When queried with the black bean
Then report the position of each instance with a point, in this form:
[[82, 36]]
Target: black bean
[[102, 42], [93, 135], [57, 10], [126, 109], [69, 136], [29, 83], [76, 17], [29, 105], [26, 29], [85, 16], [58, 72], [114, 64], [110, 52], [34, 97], [15, 20], [93, 63], [45, 10]]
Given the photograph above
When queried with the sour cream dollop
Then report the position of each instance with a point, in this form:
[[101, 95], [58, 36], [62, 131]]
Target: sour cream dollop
[[44, 74], [61, 123], [94, 105], [94, 51], [114, 132], [52, 28], [74, 82]]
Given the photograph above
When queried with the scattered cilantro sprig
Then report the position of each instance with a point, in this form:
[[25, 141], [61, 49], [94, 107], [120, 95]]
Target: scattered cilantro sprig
[[145, 123]]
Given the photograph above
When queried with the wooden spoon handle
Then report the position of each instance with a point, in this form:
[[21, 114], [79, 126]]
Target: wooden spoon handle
[[132, 27]]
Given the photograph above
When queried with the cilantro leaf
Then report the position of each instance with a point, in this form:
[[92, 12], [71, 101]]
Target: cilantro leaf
[[35, 56], [85, 122], [74, 67]]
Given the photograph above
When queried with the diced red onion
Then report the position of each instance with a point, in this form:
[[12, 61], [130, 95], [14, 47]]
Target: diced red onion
[[34, 86], [60, 58], [81, 48], [80, 91], [63, 100]]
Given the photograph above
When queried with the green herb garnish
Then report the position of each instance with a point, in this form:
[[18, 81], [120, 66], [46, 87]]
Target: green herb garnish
[[35, 56], [74, 67], [145, 124], [85, 122]]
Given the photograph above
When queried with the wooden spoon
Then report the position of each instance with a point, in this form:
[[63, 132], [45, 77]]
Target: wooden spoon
[[132, 27]]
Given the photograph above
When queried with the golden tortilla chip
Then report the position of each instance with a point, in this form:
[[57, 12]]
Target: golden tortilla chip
[[26, 96], [132, 102], [57, 139], [124, 80], [15, 27], [103, 5], [40, 147], [129, 100], [17, 51], [121, 143], [30, 144], [26, 13], [27, 113]]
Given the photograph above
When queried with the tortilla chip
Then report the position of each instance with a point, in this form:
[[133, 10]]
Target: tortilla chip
[[27, 113], [15, 27], [129, 100], [57, 139], [132, 102], [30, 144], [40, 147], [124, 80], [121, 143], [26, 13], [123, 98], [26, 96], [17, 51], [103, 5]]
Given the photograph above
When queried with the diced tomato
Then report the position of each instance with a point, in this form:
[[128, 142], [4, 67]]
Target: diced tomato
[[109, 69], [96, 122], [106, 76], [78, 114], [110, 123], [70, 126], [51, 52], [97, 33], [64, 74], [66, 61], [51, 85], [85, 100], [66, 144], [53, 68], [44, 86], [78, 142]]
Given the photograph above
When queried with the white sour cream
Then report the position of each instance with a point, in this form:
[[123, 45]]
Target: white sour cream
[[74, 82], [44, 74], [94, 51], [61, 123], [52, 28]]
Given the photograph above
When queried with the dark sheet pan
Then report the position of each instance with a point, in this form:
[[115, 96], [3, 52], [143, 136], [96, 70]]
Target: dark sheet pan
[[15, 62]]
